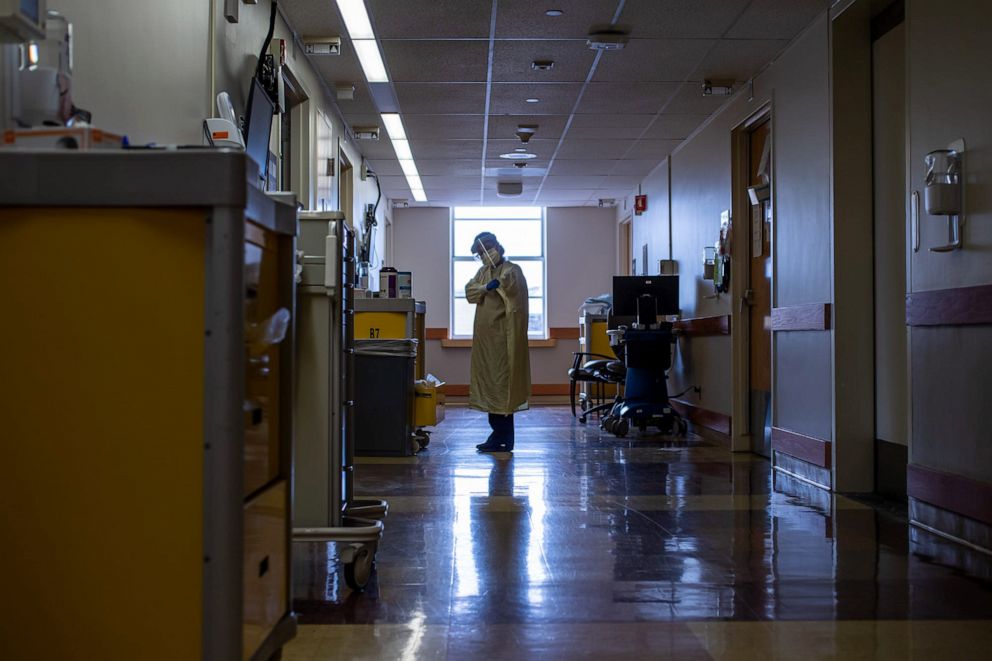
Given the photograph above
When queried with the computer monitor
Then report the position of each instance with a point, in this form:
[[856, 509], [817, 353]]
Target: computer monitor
[[627, 289], [259, 129]]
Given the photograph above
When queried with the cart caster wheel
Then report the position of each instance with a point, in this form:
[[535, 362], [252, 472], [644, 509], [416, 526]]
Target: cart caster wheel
[[358, 572], [582, 419], [683, 427], [620, 428]]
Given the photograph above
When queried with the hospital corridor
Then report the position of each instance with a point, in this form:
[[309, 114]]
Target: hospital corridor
[[495, 329]]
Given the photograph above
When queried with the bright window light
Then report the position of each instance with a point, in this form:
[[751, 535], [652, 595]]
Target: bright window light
[[394, 125], [402, 149], [371, 60], [356, 19], [409, 168]]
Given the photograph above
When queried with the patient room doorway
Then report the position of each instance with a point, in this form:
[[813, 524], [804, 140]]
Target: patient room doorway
[[753, 214]]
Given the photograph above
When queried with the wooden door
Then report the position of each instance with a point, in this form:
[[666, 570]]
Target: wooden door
[[758, 225], [626, 247]]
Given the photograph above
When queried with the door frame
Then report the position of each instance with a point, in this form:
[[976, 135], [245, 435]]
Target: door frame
[[740, 263], [626, 225]]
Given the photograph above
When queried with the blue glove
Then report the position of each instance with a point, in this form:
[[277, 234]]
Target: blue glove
[[493, 284]]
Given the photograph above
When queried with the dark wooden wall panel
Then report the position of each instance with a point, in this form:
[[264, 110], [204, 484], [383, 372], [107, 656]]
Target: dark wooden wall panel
[[954, 493], [950, 307], [703, 326], [697, 415], [816, 451], [814, 317]]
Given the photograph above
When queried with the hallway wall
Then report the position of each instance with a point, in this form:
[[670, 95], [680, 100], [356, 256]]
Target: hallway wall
[[581, 249], [797, 86]]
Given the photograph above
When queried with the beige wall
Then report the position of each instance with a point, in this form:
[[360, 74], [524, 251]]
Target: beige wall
[[581, 252], [143, 69]]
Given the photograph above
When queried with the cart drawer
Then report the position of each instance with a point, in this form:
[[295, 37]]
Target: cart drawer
[[265, 590]]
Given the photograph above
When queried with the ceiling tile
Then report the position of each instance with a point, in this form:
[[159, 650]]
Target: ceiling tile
[[391, 183], [430, 19], [639, 168], [386, 167], [450, 167], [526, 18], [505, 126], [616, 98], [555, 98], [593, 149], [578, 197], [455, 149], [653, 60], [572, 183], [674, 127], [652, 149], [612, 121], [614, 193], [620, 183], [340, 68], [690, 101], [443, 127], [543, 148], [681, 18], [590, 167], [773, 19], [512, 61], [738, 59], [441, 99], [443, 61], [314, 18], [614, 133], [376, 149], [451, 183]]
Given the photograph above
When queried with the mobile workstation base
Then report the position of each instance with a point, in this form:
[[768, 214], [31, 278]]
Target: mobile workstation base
[[145, 398]]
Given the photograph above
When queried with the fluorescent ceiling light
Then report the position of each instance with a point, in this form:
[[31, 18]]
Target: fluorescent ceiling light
[[419, 195], [394, 125], [402, 149], [356, 19], [371, 60], [409, 168]]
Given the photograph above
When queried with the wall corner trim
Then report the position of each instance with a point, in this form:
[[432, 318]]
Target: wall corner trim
[[816, 451], [955, 493], [697, 415]]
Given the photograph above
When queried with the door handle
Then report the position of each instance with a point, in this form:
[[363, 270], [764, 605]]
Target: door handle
[[914, 212], [747, 299]]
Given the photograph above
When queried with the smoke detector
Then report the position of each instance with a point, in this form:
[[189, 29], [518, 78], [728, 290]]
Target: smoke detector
[[610, 37], [509, 188]]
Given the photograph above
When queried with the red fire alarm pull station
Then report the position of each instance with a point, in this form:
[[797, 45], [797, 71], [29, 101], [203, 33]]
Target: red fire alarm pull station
[[640, 204]]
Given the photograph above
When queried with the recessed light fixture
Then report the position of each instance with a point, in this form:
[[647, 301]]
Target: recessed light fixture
[[533, 100], [554, 13], [542, 65], [520, 149], [518, 156]]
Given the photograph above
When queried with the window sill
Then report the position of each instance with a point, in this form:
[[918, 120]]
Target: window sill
[[448, 343]]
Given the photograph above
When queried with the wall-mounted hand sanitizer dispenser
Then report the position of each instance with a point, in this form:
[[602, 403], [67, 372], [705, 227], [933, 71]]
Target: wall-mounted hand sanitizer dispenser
[[944, 192], [943, 183]]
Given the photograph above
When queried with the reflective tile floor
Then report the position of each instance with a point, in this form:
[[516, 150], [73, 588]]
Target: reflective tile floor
[[582, 545]]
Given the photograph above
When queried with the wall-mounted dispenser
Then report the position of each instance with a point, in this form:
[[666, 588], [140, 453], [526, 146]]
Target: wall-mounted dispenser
[[944, 192]]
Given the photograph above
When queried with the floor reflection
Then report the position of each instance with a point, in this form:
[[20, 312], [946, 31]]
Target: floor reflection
[[578, 529]]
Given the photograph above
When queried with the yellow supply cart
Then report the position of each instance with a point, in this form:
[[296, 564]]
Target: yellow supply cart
[[145, 396], [393, 319]]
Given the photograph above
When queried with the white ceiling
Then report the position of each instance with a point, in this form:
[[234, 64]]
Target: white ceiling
[[605, 121]]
